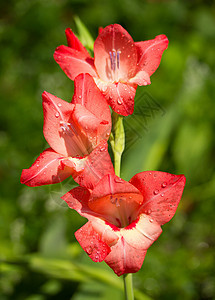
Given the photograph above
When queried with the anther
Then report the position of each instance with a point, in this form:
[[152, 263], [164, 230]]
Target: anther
[[118, 52], [114, 60], [111, 60]]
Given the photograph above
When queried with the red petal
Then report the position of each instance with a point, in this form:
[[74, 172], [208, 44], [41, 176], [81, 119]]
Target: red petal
[[91, 243], [74, 62], [77, 199], [74, 43], [87, 94], [90, 129], [97, 165], [57, 114], [150, 53], [161, 193], [124, 258], [70, 129], [112, 184], [120, 96], [115, 38], [46, 169], [116, 200]]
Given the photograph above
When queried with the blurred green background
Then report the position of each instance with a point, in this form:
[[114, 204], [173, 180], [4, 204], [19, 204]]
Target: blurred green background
[[172, 129]]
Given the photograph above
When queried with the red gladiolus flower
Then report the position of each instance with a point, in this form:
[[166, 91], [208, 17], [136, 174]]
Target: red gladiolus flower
[[125, 218], [77, 133], [119, 64]]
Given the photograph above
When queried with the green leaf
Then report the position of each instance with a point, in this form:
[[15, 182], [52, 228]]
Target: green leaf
[[83, 34]]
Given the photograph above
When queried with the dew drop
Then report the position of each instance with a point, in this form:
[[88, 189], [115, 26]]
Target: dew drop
[[119, 101], [151, 220], [156, 192], [57, 115], [104, 89], [118, 180], [164, 184], [129, 55], [79, 97], [149, 211], [162, 194], [59, 105], [102, 149]]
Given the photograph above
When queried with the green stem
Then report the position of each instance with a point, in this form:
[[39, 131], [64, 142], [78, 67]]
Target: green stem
[[117, 141], [128, 286]]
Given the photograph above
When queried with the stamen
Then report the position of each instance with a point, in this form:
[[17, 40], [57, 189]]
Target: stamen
[[118, 53], [66, 127], [111, 60], [114, 60]]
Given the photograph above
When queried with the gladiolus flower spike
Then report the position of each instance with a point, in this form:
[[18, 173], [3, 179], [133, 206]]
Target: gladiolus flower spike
[[118, 66], [125, 218]]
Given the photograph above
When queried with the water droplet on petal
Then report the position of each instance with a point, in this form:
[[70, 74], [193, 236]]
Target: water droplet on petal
[[156, 192], [118, 180], [151, 220], [104, 89], [162, 194], [164, 184], [59, 105], [57, 115], [119, 101], [129, 55], [79, 97], [149, 211]]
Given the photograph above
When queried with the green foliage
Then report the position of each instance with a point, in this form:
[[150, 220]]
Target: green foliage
[[172, 129]]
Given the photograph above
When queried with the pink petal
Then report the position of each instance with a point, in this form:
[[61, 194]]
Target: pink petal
[[150, 53], [74, 43], [124, 258], [87, 94], [120, 96], [161, 193], [91, 243], [115, 39], [142, 233], [74, 62], [105, 232], [47, 169], [141, 78], [96, 165]]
